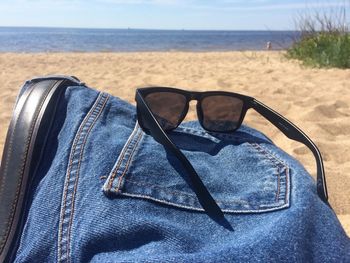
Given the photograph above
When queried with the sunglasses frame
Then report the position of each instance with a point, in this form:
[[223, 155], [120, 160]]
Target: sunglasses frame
[[146, 116], [199, 97]]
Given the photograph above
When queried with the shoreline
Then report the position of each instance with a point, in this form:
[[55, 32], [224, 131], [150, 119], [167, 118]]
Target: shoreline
[[316, 100], [142, 52]]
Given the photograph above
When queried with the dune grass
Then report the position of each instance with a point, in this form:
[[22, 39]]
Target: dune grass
[[324, 40], [323, 50]]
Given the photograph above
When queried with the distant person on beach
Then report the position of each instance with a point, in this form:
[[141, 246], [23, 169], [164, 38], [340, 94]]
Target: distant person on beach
[[268, 45]]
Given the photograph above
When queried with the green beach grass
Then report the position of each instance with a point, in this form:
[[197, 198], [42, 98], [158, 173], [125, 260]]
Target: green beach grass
[[323, 49], [324, 40]]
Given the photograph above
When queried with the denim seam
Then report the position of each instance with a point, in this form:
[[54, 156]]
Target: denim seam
[[268, 153], [278, 184], [269, 209], [129, 161], [278, 162], [68, 174], [98, 113], [211, 135], [129, 151], [275, 162], [287, 198], [14, 204], [68, 179], [126, 149], [73, 174], [179, 193], [262, 207], [131, 145]]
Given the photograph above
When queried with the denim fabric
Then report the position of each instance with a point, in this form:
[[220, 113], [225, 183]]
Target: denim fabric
[[107, 192]]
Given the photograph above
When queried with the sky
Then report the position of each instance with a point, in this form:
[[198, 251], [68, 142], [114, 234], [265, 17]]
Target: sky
[[161, 14]]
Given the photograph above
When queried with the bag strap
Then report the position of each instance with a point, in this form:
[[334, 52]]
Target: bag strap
[[26, 137]]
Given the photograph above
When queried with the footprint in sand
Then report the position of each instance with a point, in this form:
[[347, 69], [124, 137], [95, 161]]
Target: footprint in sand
[[335, 129], [279, 91], [223, 84], [302, 150], [341, 104], [322, 112]]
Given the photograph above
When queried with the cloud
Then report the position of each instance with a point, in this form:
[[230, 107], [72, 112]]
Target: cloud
[[231, 5], [145, 2], [204, 5], [299, 5], [266, 5]]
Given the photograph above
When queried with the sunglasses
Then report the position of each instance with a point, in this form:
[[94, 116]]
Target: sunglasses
[[162, 109]]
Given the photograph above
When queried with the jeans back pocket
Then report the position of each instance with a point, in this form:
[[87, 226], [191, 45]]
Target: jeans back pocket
[[241, 175]]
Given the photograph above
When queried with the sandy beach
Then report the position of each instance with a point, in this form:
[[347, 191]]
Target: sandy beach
[[316, 100]]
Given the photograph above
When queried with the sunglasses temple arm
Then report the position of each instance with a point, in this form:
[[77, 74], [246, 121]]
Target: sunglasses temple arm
[[204, 197], [294, 133]]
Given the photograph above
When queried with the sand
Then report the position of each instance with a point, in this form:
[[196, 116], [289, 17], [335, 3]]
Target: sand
[[316, 100]]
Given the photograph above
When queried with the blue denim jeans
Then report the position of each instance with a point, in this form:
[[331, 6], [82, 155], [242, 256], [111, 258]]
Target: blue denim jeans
[[107, 192]]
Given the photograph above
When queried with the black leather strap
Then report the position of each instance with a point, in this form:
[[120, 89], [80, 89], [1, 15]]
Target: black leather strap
[[26, 137]]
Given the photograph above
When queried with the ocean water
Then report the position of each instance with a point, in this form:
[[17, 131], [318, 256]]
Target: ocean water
[[27, 39]]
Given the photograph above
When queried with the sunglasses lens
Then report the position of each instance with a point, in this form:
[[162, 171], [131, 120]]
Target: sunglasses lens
[[167, 107], [221, 113]]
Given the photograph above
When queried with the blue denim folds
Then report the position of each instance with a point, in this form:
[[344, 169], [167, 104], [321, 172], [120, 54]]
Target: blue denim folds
[[107, 192]]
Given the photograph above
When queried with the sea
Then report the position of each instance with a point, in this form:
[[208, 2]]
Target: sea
[[38, 39]]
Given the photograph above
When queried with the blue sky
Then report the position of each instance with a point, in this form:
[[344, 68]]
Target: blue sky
[[159, 14]]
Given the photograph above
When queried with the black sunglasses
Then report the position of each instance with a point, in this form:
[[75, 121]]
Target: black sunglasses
[[162, 109]]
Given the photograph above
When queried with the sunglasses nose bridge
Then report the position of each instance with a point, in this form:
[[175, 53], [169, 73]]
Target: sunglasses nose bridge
[[194, 96]]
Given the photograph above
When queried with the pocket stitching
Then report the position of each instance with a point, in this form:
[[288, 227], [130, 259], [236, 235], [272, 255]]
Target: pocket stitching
[[273, 160], [121, 157], [262, 208], [72, 176], [129, 161], [212, 135], [165, 189]]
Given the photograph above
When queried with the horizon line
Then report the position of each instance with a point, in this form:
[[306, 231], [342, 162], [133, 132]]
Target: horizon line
[[150, 29]]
